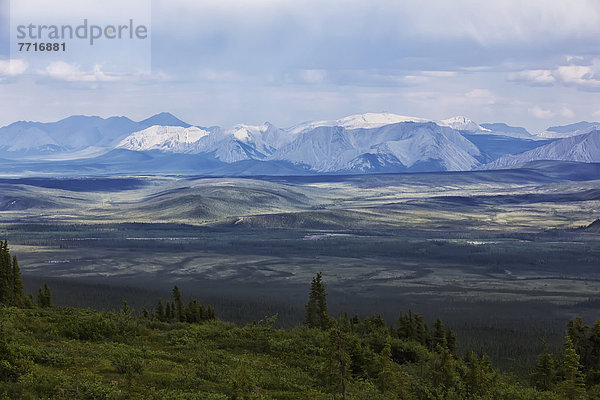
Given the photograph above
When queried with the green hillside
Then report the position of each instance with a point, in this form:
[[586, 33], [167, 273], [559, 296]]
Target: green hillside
[[180, 350]]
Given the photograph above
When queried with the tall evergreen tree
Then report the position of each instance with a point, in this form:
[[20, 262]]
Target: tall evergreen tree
[[159, 313], [47, 296], [179, 312], [40, 298], [18, 288], [12, 291], [439, 336], [451, 340], [126, 310], [337, 367], [544, 375], [573, 386], [168, 311], [478, 375], [391, 380], [316, 315], [444, 370], [44, 297], [5, 275]]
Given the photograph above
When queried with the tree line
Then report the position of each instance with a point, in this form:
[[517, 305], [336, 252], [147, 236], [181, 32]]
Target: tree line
[[12, 290]]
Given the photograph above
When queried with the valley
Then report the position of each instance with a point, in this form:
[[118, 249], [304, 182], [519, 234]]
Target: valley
[[491, 252]]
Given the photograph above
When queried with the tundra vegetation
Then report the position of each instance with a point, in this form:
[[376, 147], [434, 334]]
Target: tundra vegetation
[[182, 350]]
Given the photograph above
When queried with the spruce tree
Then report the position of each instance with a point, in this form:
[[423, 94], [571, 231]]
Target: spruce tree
[[392, 382], [479, 377], [210, 313], [178, 306], [12, 291], [421, 331], [544, 374], [47, 296], [573, 386], [40, 298], [316, 315], [5, 275], [17, 284], [451, 341], [439, 336], [337, 367], [168, 311], [160, 311], [126, 310], [443, 370]]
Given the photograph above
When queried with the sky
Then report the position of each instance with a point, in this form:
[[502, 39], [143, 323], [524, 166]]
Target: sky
[[533, 64]]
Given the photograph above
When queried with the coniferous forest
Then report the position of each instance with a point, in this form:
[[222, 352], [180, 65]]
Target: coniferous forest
[[182, 350]]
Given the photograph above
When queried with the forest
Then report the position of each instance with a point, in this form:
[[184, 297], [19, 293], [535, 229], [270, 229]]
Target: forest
[[181, 350]]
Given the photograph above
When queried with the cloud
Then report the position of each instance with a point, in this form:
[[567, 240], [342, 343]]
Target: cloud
[[585, 77], [12, 67], [212, 75], [63, 71], [439, 74], [313, 75], [481, 96], [541, 113], [541, 77], [578, 75], [566, 112]]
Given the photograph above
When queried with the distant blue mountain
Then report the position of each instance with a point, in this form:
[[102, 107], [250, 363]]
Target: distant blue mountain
[[501, 127], [164, 119], [570, 130], [493, 147], [578, 126], [367, 143], [78, 132]]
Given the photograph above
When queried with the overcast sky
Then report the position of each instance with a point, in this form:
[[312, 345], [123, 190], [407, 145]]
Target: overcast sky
[[529, 63]]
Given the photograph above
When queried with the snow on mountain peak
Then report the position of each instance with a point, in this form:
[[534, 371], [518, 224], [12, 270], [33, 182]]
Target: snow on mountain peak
[[176, 139], [357, 121], [246, 133], [461, 123]]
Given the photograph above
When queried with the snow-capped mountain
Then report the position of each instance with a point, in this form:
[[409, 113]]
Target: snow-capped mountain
[[240, 142], [371, 142], [72, 134], [462, 124], [175, 139], [398, 146], [404, 146], [357, 121], [581, 148], [565, 131]]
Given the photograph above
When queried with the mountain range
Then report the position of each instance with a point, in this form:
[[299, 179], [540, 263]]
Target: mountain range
[[363, 143]]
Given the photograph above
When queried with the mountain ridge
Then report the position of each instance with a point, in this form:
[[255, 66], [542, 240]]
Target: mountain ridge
[[360, 143]]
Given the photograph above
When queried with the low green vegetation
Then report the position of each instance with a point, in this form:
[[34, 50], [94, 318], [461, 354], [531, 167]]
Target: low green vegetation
[[182, 351]]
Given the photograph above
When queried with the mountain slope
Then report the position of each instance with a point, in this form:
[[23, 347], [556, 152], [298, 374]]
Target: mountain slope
[[357, 121], [581, 148], [398, 146], [565, 131], [462, 124], [73, 134], [173, 139], [164, 119], [503, 129]]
